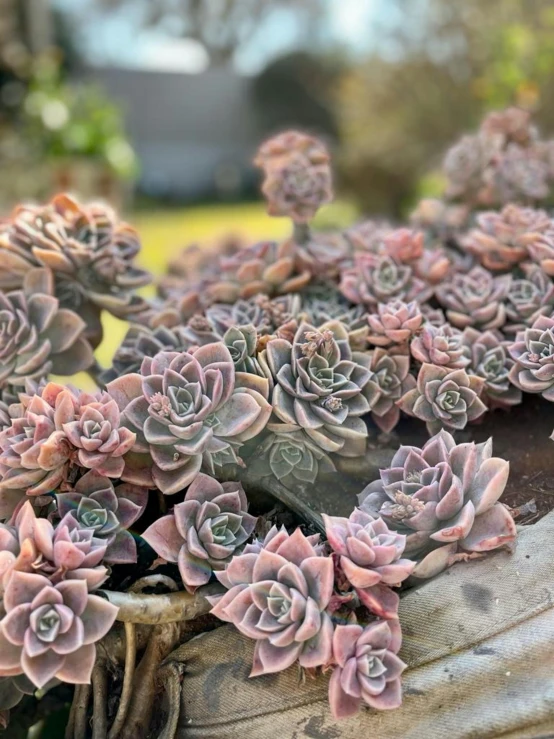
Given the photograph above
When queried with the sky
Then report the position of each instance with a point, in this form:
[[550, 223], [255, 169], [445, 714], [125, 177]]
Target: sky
[[114, 39]]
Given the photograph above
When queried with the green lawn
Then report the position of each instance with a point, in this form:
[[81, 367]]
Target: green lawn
[[165, 232]]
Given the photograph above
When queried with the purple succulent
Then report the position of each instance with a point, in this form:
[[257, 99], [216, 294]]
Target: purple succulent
[[379, 279], [444, 398], [297, 173], [205, 531], [528, 298], [321, 387], [394, 323], [391, 374], [440, 345], [36, 335], [290, 451], [443, 496], [109, 511], [367, 669], [187, 411], [542, 252], [279, 598], [490, 360], [325, 254], [369, 556], [475, 299], [50, 630], [463, 167], [533, 353]]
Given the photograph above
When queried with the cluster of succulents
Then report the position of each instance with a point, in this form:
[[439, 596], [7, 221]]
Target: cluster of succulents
[[285, 360]]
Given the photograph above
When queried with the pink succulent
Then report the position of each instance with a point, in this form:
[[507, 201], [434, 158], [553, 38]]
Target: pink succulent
[[391, 374], [97, 436], [369, 555], [67, 552], [279, 598], [367, 669], [403, 245], [394, 323], [50, 630], [203, 532], [441, 345]]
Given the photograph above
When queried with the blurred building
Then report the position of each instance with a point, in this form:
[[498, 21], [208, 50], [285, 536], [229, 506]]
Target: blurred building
[[194, 134]]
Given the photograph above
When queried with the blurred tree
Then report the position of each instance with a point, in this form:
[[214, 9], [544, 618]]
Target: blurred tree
[[438, 65], [221, 26]]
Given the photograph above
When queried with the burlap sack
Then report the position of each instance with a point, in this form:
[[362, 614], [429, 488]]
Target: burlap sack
[[478, 640]]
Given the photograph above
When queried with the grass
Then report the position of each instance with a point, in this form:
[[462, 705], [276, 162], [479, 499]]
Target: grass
[[165, 232]]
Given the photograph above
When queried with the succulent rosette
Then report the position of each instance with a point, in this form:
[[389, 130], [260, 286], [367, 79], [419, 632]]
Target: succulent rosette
[[391, 374], [367, 670], [502, 239], [50, 630], [322, 310], [528, 297], [533, 353], [379, 279], [186, 410], [242, 342], [489, 359], [475, 299], [297, 175], [541, 251], [204, 531], [89, 252], [369, 555], [324, 254], [444, 398], [394, 323], [441, 345], [68, 552], [279, 597], [445, 498], [97, 436], [36, 335], [35, 453], [320, 386], [267, 268], [108, 509], [289, 451], [463, 168]]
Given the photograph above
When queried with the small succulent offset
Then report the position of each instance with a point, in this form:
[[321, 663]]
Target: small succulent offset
[[50, 630], [533, 354], [444, 497], [321, 387], [502, 239], [279, 597], [369, 557], [36, 335], [395, 322], [391, 374], [186, 409], [367, 669], [379, 279], [108, 510], [444, 398], [475, 299], [441, 345], [489, 359], [297, 175], [204, 531]]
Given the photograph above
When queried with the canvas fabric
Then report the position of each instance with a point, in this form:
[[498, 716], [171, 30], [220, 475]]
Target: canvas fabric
[[478, 641]]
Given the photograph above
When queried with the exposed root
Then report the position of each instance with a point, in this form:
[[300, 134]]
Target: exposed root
[[150, 581], [170, 675], [100, 699], [81, 707], [162, 609], [130, 659], [162, 639], [70, 727]]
